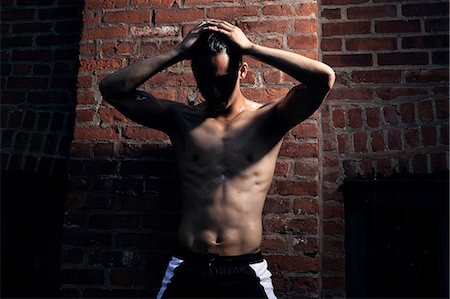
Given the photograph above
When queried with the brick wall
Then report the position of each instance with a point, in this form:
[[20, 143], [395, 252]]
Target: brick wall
[[123, 202], [39, 56], [40, 41], [388, 111]]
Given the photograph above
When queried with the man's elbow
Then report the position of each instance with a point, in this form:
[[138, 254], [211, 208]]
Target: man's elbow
[[329, 78]]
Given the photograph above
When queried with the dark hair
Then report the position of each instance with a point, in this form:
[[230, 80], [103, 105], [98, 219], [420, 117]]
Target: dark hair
[[213, 43]]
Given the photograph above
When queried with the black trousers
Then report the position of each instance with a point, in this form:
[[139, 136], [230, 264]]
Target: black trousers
[[192, 275]]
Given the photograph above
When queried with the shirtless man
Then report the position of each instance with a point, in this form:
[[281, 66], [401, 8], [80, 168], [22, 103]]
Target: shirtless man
[[226, 150]]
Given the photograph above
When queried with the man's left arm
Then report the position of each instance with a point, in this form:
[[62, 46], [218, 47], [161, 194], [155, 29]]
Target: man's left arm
[[316, 77]]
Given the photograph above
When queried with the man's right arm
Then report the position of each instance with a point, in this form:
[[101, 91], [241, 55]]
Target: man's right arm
[[119, 89]]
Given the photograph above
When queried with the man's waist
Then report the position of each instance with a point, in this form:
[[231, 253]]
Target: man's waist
[[208, 258]]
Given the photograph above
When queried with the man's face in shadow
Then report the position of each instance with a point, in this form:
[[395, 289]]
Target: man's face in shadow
[[217, 78]]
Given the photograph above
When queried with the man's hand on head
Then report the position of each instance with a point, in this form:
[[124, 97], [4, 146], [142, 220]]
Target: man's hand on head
[[234, 33]]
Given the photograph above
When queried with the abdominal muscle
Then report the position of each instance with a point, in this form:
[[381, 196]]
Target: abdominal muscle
[[226, 221]]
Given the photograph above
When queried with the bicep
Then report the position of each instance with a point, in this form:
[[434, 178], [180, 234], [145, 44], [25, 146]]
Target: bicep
[[299, 104], [143, 108]]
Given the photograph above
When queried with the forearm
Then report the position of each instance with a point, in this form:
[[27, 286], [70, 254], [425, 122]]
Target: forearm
[[131, 77], [312, 73]]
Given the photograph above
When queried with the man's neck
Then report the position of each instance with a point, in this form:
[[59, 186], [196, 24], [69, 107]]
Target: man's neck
[[238, 105]]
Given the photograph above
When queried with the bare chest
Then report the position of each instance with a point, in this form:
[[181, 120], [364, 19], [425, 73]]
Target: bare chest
[[214, 148]]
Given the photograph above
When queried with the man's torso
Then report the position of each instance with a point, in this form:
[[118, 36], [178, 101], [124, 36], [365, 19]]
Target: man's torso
[[226, 168]]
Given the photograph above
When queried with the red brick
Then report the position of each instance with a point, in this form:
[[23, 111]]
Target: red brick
[[427, 76], [333, 263], [345, 28], [143, 133], [305, 285], [425, 111], [305, 130], [88, 50], [397, 26], [444, 134], [91, 65], [335, 282], [348, 60], [307, 168], [280, 26], [129, 17], [103, 150], [373, 117], [377, 141], [152, 3], [333, 228], [371, 44], [436, 25], [293, 263], [294, 188], [350, 93], [425, 42], [331, 44], [302, 9], [338, 118], [331, 13], [404, 58], [110, 221], [343, 143], [428, 9], [412, 138], [407, 113], [231, 12], [297, 150], [96, 33], [94, 133], [360, 142], [305, 244], [277, 205], [441, 57], [333, 212], [85, 97], [394, 139], [302, 42], [371, 12], [178, 15], [387, 93], [429, 135], [305, 26], [84, 115], [193, 2], [274, 244], [442, 108], [382, 76], [390, 115], [355, 118], [305, 207], [302, 226]]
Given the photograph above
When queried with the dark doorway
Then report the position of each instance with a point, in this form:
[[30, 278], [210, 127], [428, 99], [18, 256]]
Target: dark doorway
[[397, 237]]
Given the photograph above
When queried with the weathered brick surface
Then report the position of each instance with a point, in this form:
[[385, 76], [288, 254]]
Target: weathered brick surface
[[384, 115], [123, 202], [387, 113], [40, 40]]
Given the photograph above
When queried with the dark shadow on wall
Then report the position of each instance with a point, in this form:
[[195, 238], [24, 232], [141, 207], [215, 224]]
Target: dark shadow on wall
[[39, 52], [120, 227], [397, 238]]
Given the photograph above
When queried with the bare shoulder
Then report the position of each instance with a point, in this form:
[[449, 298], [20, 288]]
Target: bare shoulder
[[256, 106]]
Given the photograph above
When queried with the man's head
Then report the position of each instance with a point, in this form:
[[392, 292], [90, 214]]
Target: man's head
[[217, 66]]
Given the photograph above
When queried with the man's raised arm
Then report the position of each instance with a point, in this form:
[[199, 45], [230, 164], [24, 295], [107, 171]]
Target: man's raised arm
[[316, 77], [119, 89]]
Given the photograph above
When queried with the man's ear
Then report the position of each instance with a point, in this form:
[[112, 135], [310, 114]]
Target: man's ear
[[243, 70]]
